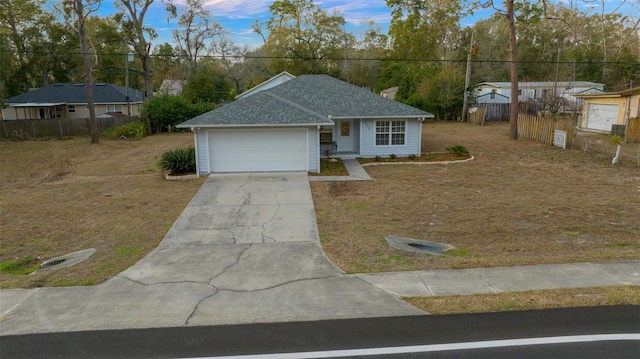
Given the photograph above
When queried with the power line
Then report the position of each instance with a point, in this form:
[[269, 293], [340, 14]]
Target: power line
[[398, 59]]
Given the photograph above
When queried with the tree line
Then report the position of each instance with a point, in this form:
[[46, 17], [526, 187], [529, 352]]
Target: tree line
[[423, 53]]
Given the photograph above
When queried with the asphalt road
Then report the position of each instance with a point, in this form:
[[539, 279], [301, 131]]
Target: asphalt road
[[598, 332]]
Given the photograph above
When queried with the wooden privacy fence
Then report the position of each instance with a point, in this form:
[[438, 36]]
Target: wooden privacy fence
[[541, 128], [477, 117], [633, 130], [59, 127]]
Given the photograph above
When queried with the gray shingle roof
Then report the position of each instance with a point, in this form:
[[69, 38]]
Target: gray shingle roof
[[103, 93], [330, 96], [305, 100], [263, 108]]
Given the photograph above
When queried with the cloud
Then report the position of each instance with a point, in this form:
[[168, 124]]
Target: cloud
[[239, 9]]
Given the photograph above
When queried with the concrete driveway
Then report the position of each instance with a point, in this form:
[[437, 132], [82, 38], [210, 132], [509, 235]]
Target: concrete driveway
[[245, 250]]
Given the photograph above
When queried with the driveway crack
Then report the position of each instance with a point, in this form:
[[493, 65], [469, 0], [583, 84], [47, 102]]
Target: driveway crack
[[277, 285], [244, 184], [195, 307], [162, 282], [264, 229], [217, 290], [232, 264]]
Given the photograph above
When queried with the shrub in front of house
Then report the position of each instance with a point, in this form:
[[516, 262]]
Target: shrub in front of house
[[458, 150], [179, 161], [126, 131]]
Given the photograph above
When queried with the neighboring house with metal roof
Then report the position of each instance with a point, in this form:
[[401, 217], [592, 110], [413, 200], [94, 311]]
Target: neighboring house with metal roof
[[610, 112], [500, 92], [288, 127], [69, 100]]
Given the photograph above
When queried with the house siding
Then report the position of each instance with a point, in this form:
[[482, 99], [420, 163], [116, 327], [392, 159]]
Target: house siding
[[313, 139], [81, 111], [369, 149], [537, 90], [202, 152]]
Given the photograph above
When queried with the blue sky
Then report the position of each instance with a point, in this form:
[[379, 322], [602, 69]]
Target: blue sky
[[237, 16]]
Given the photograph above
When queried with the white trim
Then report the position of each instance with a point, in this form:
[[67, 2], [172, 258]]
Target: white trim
[[306, 151], [195, 147], [405, 117], [419, 141], [241, 126], [239, 165], [318, 151], [36, 104], [248, 92]]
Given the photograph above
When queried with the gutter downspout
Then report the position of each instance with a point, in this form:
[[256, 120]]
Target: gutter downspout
[[421, 121], [318, 144]]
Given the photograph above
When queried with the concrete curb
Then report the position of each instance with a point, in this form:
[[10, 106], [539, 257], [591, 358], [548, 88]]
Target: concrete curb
[[416, 163]]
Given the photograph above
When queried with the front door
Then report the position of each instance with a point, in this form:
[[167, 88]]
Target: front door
[[345, 136]]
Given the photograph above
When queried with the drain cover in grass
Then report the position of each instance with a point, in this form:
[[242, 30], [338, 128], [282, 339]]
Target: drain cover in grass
[[418, 245], [66, 260]]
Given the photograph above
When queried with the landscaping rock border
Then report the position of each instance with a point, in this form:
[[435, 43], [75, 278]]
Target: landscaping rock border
[[183, 177], [416, 162]]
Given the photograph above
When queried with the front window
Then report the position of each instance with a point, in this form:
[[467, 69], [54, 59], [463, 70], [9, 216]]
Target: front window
[[390, 133], [326, 135], [71, 108], [114, 108]]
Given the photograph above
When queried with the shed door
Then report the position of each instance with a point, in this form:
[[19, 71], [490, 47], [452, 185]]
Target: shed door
[[601, 116], [258, 150]]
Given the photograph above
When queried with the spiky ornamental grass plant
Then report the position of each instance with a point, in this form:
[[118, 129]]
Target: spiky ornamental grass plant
[[179, 160]]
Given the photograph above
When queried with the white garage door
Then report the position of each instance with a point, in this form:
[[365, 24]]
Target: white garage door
[[258, 150], [601, 116]]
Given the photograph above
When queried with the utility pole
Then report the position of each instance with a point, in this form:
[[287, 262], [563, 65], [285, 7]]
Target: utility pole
[[468, 77], [128, 57]]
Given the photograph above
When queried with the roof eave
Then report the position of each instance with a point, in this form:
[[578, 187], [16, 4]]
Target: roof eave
[[255, 125], [428, 115], [598, 95]]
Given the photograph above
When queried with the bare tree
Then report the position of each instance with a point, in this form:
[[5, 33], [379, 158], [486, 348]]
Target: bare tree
[[232, 57], [513, 61], [134, 13], [509, 13], [82, 9], [196, 29]]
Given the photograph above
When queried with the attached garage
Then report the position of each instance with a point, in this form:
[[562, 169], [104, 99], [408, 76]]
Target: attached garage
[[258, 150], [601, 116]]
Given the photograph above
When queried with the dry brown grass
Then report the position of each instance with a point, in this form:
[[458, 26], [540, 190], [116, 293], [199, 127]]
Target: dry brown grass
[[59, 197], [540, 299], [518, 203]]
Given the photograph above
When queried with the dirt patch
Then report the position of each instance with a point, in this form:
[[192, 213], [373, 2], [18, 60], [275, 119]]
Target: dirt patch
[[331, 167], [518, 203], [60, 197]]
